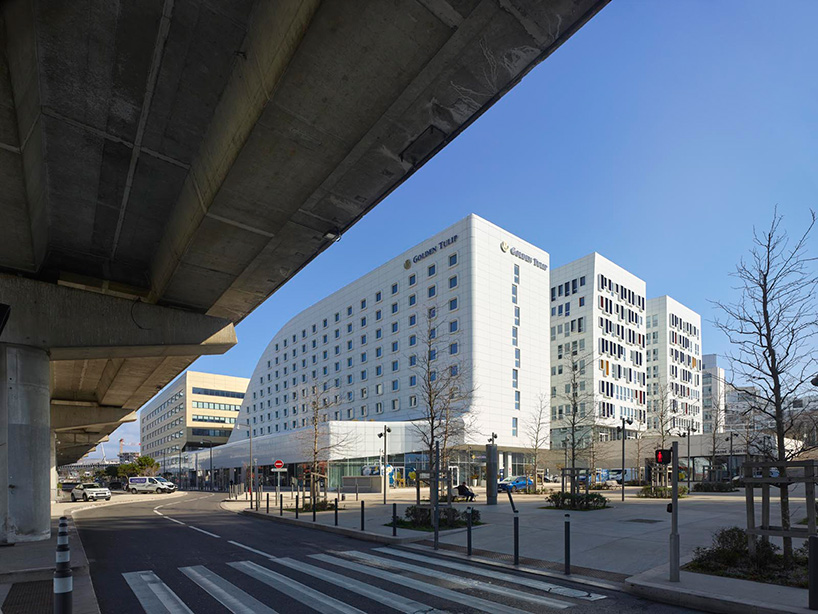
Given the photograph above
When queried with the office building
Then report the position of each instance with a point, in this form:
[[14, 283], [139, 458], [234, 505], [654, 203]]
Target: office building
[[597, 351], [673, 361], [713, 395], [196, 410]]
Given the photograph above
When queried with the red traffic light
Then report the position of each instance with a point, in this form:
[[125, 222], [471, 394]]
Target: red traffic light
[[663, 457]]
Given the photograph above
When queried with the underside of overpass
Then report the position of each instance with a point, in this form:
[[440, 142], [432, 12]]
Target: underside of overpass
[[166, 165]]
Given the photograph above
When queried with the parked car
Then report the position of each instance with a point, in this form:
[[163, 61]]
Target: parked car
[[145, 484], [169, 486], [89, 491], [115, 485], [514, 483], [553, 477]]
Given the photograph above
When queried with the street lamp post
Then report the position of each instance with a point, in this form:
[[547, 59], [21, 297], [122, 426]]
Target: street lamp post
[[386, 430], [691, 429], [730, 458], [622, 475], [210, 447]]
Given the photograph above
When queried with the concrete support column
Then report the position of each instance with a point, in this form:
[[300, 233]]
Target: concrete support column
[[25, 444]]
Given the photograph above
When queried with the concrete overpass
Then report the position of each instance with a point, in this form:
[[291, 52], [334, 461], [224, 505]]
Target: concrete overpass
[[166, 165]]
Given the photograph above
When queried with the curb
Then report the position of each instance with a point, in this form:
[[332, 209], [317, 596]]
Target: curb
[[348, 532], [34, 574]]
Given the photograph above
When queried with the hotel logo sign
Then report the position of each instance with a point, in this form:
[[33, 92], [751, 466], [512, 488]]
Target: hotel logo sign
[[504, 247], [428, 252]]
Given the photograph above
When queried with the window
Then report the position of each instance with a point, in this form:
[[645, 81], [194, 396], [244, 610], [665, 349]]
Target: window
[[582, 301], [514, 294], [431, 270], [378, 408], [394, 288], [432, 291], [516, 315], [453, 326], [378, 315], [395, 346], [413, 319], [378, 297], [516, 357], [514, 427], [582, 281], [516, 273], [337, 316], [413, 340], [515, 378], [453, 282], [363, 339], [378, 352], [363, 356], [516, 399], [363, 323], [394, 308], [378, 389], [453, 370], [363, 303], [349, 310], [413, 380], [453, 304], [395, 385], [363, 374], [413, 360], [453, 348], [433, 333], [378, 371], [378, 333], [395, 404], [413, 401], [395, 365], [432, 312], [452, 259], [413, 279], [394, 327], [413, 298]]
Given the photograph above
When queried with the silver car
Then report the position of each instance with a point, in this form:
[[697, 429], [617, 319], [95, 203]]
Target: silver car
[[88, 491]]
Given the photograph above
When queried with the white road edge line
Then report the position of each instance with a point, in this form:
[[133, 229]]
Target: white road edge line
[[265, 554], [205, 532], [155, 511], [174, 520]]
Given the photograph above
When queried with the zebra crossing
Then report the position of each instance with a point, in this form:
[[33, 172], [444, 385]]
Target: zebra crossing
[[381, 580]]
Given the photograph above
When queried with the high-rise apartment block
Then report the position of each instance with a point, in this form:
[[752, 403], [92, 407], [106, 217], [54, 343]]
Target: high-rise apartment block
[[673, 361], [713, 395], [597, 350]]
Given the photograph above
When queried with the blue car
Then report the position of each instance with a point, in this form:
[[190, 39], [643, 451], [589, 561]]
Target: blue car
[[514, 484]]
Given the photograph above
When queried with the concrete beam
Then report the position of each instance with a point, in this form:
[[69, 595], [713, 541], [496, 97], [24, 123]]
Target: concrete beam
[[70, 440], [72, 324], [71, 415]]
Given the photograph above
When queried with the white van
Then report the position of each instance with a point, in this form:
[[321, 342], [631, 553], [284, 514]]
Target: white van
[[146, 484]]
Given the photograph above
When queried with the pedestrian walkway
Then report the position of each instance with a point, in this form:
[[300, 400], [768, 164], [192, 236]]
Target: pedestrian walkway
[[386, 579]]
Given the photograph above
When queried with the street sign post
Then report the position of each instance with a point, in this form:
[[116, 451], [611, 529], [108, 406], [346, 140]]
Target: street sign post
[[278, 467]]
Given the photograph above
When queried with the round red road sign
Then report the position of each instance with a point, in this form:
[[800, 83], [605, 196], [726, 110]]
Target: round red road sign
[[279, 464]]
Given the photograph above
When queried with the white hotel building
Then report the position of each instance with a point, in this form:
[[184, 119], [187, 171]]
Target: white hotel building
[[486, 292]]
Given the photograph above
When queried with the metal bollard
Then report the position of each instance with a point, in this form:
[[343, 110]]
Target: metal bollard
[[336, 511], [268, 503], [63, 591], [468, 531], [516, 537], [312, 500], [356, 491], [813, 572], [281, 505], [362, 515], [296, 506], [568, 544], [62, 536], [394, 519]]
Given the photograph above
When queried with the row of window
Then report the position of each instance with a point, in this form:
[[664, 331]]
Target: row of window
[[567, 289], [175, 397], [625, 294], [218, 393], [206, 418]]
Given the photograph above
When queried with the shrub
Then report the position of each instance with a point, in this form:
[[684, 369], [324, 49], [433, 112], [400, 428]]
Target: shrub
[[730, 551], [321, 505], [603, 486], [450, 517], [581, 502], [714, 487], [660, 492]]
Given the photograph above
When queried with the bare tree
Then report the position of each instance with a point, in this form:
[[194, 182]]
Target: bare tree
[[639, 439], [320, 399], [445, 388], [578, 401], [772, 327], [537, 431]]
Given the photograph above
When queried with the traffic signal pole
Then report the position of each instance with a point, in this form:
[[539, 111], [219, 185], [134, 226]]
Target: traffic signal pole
[[674, 515]]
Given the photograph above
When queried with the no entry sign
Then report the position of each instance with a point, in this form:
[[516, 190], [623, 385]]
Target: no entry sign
[[279, 464]]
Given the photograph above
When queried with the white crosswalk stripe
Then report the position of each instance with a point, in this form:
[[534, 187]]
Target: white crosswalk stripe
[[306, 595], [465, 582], [548, 587], [229, 595], [390, 600], [481, 605], [363, 578], [154, 595]]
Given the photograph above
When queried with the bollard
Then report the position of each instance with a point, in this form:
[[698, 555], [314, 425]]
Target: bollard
[[268, 503], [281, 506], [62, 536], [568, 544], [356, 491], [312, 500], [63, 591], [63, 559], [468, 531], [813, 572], [516, 537], [336, 511], [362, 515], [394, 519], [296, 506]]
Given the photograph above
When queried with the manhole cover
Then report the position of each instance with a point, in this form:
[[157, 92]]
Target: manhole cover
[[27, 597], [644, 520]]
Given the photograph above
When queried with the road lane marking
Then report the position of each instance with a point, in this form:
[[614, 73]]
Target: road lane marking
[[154, 595], [174, 520], [229, 595], [548, 587], [310, 597], [156, 511], [465, 582], [390, 600], [477, 603], [205, 532], [264, 554]]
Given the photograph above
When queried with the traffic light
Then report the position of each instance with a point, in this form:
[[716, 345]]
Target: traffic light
[[663, 457]]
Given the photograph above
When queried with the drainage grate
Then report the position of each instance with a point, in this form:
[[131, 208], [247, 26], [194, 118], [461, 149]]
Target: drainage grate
[[26, 597], [644, 520]]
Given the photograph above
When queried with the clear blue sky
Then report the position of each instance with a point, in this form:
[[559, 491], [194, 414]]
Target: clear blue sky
[[658, 135]]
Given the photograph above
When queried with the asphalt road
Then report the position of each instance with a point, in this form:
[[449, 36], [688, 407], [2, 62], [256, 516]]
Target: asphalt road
[[189, 555]]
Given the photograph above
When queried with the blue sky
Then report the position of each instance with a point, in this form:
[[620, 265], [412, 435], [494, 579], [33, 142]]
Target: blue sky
[[658, 135]]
